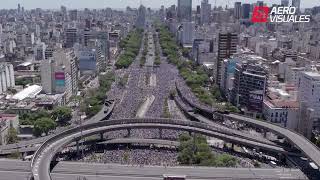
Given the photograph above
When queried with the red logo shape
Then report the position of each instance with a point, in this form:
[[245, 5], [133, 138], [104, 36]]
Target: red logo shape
[[260, 14]]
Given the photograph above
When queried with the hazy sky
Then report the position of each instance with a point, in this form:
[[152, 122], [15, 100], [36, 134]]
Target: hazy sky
[[55, 4]]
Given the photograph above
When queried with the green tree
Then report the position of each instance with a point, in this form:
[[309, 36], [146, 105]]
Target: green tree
[[226, 160], [184, 137], [63, 114], [196, 150], [232, 108], [185, 52], [23, 82], [131, 46], [12, 136], [93, 110], [43, 125], [157, 60], [30, 118]]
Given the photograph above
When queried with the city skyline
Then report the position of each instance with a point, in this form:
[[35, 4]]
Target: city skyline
[[120, 4]]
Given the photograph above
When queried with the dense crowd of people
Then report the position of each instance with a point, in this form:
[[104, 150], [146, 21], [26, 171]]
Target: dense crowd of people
[[130, 98], [136, 156], [143, 133]]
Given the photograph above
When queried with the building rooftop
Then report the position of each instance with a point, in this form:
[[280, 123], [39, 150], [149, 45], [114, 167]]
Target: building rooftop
[[313, 73], [25, 64], [282, 103], [284, 97], [28, 92], [7, 116]]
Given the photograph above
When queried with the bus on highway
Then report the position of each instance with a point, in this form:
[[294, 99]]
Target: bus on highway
[[174, 177]]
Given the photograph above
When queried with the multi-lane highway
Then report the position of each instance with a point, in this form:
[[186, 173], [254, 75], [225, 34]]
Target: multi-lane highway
[[18, 170]]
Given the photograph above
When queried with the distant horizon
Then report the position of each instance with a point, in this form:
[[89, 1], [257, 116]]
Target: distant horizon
[[122, 4]]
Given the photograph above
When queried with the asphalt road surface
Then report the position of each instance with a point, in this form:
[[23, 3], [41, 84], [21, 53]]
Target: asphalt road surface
[[20, 170]]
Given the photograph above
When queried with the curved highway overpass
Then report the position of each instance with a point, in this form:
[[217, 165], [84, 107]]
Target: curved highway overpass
[[111, 141], [33, 144], [41, 160], [299, 141]]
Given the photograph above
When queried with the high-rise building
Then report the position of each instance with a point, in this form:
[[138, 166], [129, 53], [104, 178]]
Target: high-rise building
[[68, 61], [73, 15], [64, 13], [162, 13], [63, 9], [39, 51], [205, 12], [185, 10], [245, 12], [87, 35], [284, 2], [171, 12], [6, 77], [198, 15], [48, 52], [88, 60], [71, 36], [185, 33], [59, 74], [47, 75], [227, 46], [198, 9], [296, 3], [19, 8], [103, 38], [88, 23], [25, 39], [38, 30], [237, 10], [309, 98], [141, 20], [101, 56], [260, 3], [250, 83], [227, 75]]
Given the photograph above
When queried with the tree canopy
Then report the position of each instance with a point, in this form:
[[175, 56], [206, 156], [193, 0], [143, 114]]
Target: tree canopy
[[95, 97], [12, 136], [43, 125], [130, 45], [196, 151], [63, 114], [30, 118]]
